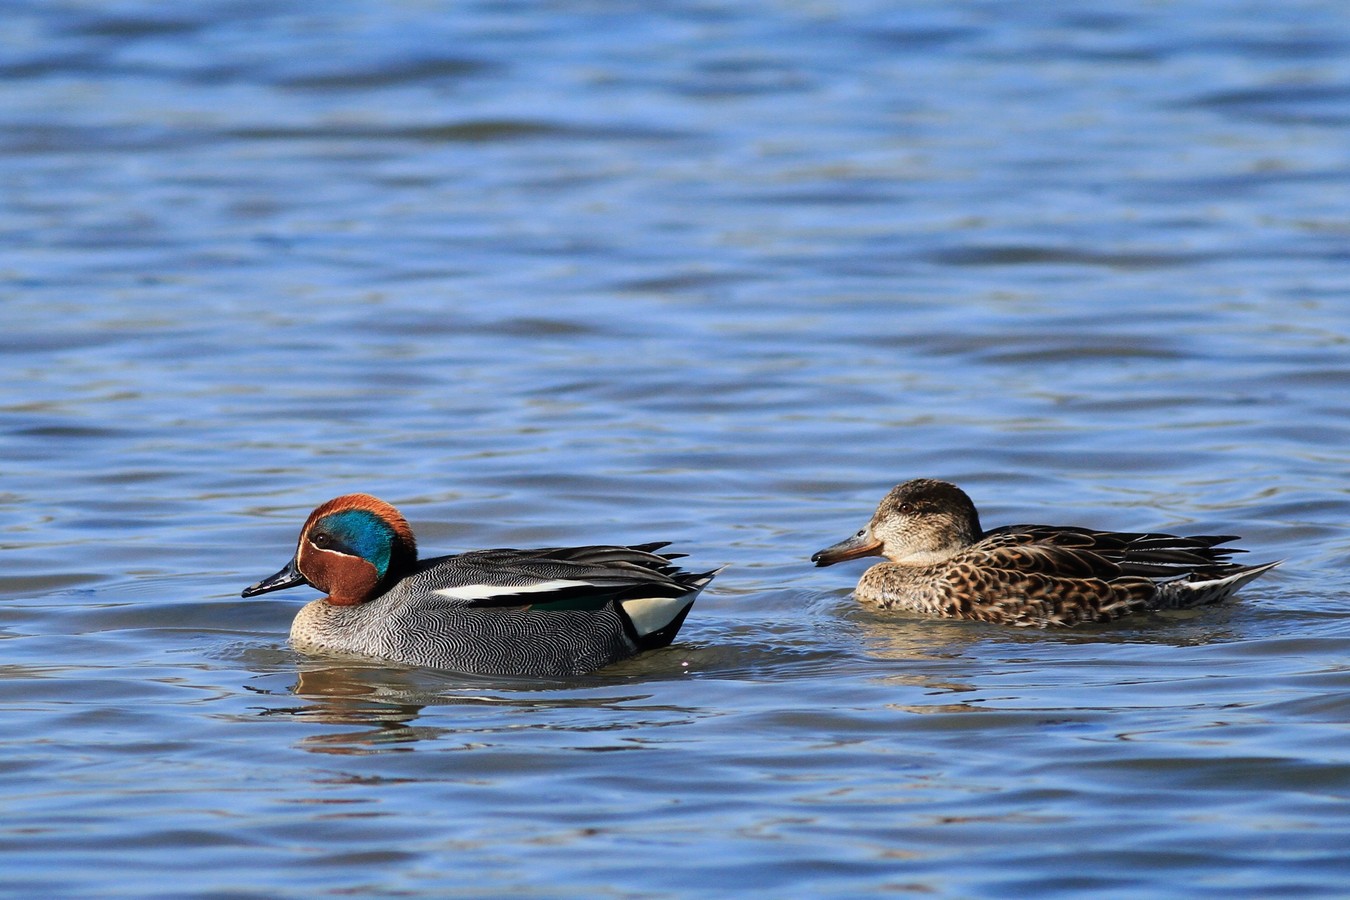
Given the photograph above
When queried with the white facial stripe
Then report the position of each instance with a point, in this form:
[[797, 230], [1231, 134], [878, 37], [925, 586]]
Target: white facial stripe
[[651, 614], [487, 591]]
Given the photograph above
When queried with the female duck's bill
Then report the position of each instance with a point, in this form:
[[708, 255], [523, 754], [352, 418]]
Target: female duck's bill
[[552, 611], [855, 546], [940, 562]]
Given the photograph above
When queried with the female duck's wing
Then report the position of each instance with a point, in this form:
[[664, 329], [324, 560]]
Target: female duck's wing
[[1036, 576], [1154, 555], [1055, 553]]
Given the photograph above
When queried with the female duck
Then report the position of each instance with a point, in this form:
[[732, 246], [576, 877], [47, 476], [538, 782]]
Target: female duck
[[555, 611], [941, 563]]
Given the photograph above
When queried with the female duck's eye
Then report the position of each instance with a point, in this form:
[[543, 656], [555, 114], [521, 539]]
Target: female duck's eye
[[907, 508]]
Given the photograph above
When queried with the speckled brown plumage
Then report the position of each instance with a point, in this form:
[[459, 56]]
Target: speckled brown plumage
[[942, 563]]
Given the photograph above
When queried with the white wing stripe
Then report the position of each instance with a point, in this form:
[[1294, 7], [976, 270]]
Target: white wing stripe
[[486, 591]]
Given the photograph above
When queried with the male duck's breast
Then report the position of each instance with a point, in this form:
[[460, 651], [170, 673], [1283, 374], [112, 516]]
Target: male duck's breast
[[321, 627]]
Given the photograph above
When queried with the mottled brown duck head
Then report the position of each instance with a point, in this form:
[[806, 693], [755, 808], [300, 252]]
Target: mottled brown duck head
[[920, 522]]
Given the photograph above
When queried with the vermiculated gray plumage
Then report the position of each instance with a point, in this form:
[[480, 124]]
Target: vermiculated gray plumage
[[551, 611], [484, 612]]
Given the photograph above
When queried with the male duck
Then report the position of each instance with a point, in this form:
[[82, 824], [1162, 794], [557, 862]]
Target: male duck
[[942, 563], [555, 611]]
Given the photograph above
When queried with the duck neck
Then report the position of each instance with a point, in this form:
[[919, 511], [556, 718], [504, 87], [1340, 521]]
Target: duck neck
[[927, 557]]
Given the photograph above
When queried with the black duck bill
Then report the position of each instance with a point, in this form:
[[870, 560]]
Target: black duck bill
[[859, 545], [288, 577]]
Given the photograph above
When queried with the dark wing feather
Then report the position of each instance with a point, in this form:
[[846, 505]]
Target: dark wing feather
[[1059, 554], [1152, 555], [1034, 575], [553, 577]]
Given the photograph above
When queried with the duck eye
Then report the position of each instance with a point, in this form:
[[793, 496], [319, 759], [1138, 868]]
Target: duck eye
[[907, 508], [321, 540]]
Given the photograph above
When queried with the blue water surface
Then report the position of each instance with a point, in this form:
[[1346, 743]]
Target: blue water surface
[[719, 274]]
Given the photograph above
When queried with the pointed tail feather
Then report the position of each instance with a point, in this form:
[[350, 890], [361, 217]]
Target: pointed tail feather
[[1184, 593]]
